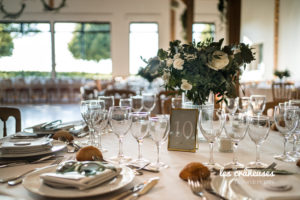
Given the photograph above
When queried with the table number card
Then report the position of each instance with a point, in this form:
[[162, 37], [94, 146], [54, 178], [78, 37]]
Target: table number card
[[183, 130]]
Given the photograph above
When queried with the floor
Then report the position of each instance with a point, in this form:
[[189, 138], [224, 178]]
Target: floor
[[35, 114]]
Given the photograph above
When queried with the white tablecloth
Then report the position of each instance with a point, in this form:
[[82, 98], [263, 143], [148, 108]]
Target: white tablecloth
[[170, 185]]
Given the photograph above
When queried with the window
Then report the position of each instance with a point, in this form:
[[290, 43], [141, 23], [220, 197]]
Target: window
[[202, 31], [25, 47], [143, 42], [83, 47]]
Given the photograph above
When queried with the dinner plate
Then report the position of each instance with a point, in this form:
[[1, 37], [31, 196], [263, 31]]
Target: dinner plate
[[33, 183], [57, 146], [228, 187]]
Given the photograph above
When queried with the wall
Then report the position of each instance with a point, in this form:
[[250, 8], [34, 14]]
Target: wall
[[119, 13], [257, 26], [289, 40]]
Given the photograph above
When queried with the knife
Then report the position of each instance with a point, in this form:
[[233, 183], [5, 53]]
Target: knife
[[128, 192], [149, 184]]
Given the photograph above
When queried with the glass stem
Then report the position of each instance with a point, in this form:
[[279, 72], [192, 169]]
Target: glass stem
[[99, 141], [284, 145], [211, 150], [121, 155], [235, 145], [295, 143], [158, 151], [92, 139], [140, 149], [257, 154]]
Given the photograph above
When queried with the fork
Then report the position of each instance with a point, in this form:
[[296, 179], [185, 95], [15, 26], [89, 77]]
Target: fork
[[196, 188], [19, 178], [207, 186]]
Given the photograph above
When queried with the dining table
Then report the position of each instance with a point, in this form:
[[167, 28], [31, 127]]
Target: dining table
[[170, 185]]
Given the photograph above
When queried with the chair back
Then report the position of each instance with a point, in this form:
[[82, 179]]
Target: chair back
[[5, 113], [283, 91]]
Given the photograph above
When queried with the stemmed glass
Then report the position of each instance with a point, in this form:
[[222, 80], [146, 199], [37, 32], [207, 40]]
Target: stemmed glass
[[101, 122], [244, 105], [286, 120], [211, 126], [295, 153], [259, 128], [125, 102], [149, 101], [120, 121], [257, 104], [109, 101], [139, 130], [236, 127], [232, 104], [176, 102], [159, 128], [137, 103], [89, 109]]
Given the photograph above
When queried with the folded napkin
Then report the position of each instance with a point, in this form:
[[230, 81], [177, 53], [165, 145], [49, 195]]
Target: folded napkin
[[25, 146], [76, 180]]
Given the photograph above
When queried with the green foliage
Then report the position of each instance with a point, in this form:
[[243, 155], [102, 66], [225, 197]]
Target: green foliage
[[6, 42], [281, 74], [91, 44], [150, 72], [207, 66]]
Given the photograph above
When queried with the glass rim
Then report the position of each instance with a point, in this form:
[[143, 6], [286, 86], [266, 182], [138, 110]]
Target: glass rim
[[106, 97], [259, 117], [258, 95], [139, 113]]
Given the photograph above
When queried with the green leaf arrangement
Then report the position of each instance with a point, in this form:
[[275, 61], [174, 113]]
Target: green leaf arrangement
[[281, 74], [198, 68]]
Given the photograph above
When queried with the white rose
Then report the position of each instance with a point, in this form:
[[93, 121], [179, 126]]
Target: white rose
[[166, 76], [185, 85], [218, 63], [178, 64], [177, 55], [169, 62]]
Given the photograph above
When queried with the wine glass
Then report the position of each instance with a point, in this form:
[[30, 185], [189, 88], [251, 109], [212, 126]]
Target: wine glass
[[176, 102], [101, 122], [108, 101], [139, 130], [137, 103], [244, 105], [295, 153], [257, 104], [232, 104], [120, 121], [236, 127], [259, 128], [286, 120], [211, 126], [149, 101], [125, 102], [89, 109], [159, 128]]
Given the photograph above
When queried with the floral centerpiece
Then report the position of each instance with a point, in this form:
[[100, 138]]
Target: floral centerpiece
[[198, 69]]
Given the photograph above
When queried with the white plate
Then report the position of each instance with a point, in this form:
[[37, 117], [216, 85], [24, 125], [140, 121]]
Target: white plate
[[228, 187], [57, 146], [34, 184]]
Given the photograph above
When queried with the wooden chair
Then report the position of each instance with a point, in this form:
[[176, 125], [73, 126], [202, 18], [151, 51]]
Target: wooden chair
[[282, 91], [119, 94], [5, 113]]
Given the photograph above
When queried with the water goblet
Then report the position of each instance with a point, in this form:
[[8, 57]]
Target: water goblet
[[108, 101], [176, 102], [139, 130], [120, 121], [149, 101], [295, 153], [232, 104], [236, 127], [100, 125], [126, 102], [286, 121], [211, 126], [259, 128], [244, 105], [159, 128], [137, 103], [257, 104]]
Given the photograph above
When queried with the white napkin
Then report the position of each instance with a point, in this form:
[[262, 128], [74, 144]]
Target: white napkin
[[24, 146], [76, 180]]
